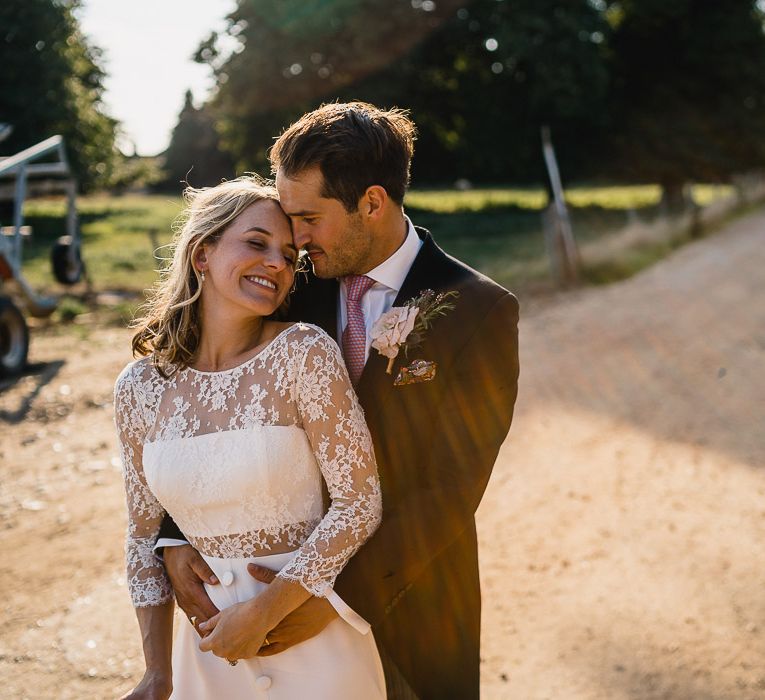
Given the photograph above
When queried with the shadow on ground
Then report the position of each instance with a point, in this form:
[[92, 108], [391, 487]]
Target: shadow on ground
[[33, 379], [677, 350]]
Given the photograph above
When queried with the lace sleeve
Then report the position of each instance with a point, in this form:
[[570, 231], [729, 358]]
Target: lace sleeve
[[147, 580], [334, 423]]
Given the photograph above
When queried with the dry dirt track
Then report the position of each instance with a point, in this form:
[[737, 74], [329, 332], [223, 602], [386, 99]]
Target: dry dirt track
[[622, 533]]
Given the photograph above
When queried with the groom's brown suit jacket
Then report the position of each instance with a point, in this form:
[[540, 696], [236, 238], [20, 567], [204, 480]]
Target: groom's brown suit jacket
[[416, 580]]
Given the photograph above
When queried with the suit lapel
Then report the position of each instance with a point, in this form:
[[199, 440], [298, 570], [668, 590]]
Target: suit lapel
[[316, 301], [426, 273]]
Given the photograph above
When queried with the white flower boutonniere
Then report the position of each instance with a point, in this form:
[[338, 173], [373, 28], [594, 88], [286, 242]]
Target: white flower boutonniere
[[405, 326], [391, 330]]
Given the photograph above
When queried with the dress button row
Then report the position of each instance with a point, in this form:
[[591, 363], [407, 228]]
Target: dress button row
[[227, 578], [263, 682]]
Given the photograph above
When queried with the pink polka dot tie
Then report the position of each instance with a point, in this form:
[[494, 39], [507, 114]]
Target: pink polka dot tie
[[355, 333]]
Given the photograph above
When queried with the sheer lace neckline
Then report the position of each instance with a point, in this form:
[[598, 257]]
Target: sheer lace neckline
[[244, 363]]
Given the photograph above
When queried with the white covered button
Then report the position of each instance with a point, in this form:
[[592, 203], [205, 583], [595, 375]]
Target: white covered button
[[263, 682], [227, 578]]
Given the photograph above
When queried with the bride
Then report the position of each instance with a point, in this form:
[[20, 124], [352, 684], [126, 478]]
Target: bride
[[234, 423]]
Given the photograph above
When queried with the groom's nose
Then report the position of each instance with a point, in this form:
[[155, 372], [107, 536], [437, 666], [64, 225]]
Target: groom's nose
[[301, 234]]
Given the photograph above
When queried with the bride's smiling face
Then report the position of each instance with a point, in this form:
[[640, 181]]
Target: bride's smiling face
[[251, 267]]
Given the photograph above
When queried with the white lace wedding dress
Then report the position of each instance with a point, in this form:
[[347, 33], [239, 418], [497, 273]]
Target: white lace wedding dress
[[237, 458]]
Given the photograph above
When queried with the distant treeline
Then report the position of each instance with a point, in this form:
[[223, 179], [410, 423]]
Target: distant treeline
[[634, 90]]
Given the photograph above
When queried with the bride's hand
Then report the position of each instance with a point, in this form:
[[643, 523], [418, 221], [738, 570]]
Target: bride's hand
[[153, 686], [234, 633]]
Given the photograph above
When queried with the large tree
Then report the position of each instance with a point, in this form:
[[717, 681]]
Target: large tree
[[636, 89], [289, 51], [280, 57], [194, 155], [480, 77], [688, 91], [482, 86], [51, 82]]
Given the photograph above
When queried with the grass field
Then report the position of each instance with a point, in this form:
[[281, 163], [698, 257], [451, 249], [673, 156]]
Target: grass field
[[496, 230], [499, 231]]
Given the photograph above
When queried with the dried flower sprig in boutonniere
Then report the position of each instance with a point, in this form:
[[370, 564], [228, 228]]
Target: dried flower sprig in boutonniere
[[405, 326]]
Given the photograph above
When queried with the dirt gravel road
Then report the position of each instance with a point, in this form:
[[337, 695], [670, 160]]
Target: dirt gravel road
[[622, 532]]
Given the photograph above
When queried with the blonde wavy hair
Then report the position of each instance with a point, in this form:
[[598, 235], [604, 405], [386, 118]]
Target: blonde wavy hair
[[169, 330]]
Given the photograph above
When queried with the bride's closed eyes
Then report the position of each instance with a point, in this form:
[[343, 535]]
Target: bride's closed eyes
[[290, 254]]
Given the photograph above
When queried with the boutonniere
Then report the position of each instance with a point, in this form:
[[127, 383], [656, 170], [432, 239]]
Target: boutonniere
[[404, 327]]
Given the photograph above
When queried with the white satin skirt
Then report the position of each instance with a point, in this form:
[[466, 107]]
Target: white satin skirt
[[339, 663]]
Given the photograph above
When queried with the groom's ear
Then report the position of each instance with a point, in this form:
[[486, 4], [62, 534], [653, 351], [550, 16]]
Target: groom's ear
[[373, 201]]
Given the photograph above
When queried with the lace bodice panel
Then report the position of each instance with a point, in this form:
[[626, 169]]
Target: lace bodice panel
[[237, 458], [242, 492]]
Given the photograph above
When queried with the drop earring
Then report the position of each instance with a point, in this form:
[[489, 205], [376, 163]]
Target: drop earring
[[202, 275]]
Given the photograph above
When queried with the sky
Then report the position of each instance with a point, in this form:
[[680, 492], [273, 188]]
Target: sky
[[148, 45]]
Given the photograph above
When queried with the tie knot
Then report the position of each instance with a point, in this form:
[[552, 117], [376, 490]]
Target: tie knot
[[357, 286]]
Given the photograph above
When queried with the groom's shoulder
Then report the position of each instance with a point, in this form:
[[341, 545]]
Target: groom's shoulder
[[455, 274], [477, 281]]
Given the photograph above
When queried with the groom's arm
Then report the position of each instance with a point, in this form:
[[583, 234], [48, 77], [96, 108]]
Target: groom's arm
[[473, 418], [187, 571], [169, 530]]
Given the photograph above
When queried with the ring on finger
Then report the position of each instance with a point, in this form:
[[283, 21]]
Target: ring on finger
[[193, 620], [232, 662]]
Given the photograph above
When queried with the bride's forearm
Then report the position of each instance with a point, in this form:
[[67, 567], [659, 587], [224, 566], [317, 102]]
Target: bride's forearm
[[156, 624]]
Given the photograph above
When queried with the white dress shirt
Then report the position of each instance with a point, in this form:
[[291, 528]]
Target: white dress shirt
[[389, 277]]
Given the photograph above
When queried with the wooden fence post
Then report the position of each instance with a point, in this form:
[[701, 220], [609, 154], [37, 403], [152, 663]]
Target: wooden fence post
[[559, 237]]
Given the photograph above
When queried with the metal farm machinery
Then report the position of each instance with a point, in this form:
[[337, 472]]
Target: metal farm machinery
[[21, 176]]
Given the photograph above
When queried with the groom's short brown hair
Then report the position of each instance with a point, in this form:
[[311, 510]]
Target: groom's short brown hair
[[355, 144]]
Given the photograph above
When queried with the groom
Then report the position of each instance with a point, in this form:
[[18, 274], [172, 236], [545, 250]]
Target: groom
[[342, 172]]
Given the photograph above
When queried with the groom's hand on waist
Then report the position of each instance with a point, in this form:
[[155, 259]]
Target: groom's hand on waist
[[301, 624], [188, 571]]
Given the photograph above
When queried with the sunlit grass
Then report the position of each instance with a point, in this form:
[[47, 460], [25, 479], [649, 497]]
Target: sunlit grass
[[619, 197], [496, 230], [610, 197], [122, 238], [706, 194], [477, 200]]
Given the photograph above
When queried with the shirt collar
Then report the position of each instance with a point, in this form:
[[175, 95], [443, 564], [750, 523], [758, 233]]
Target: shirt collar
[[393, 271]]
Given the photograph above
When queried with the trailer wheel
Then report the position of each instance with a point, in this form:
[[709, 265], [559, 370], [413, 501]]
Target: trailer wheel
[[68, 267], [14, 339]]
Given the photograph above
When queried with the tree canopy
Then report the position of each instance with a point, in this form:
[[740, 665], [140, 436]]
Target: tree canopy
[[633, 90], [51, 82], [688, 90], [479, 77], [481, 87]]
